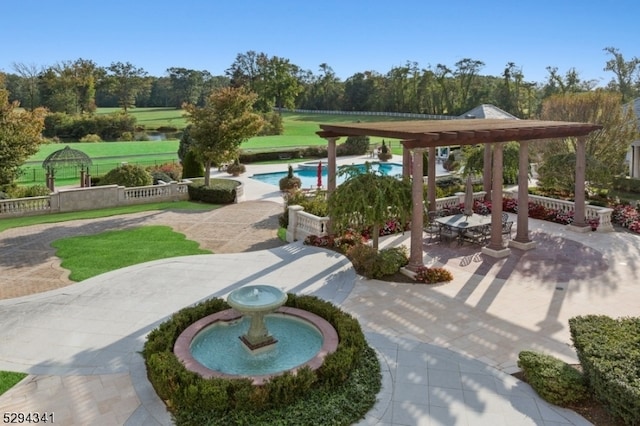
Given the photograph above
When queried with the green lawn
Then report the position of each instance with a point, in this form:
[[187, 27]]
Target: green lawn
[[88, 256], [8, 379], [299, 131], [15, 222]]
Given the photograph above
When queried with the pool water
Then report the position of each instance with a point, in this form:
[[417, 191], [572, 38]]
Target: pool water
[[309, 175]]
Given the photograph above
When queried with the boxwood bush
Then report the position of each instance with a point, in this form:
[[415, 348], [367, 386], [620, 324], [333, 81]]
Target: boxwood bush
[[554, 380], [339, 392], [219, 191], [609, 352]]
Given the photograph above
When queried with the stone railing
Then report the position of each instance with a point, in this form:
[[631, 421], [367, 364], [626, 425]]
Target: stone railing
[[25, 206], [303, 224], [603, 214], [97, 197]]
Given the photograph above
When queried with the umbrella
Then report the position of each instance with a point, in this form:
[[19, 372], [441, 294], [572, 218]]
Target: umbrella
[[468, 198], [319, 183]]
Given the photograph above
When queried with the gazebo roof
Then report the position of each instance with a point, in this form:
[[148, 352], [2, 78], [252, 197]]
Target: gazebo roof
[[66, 157], [435, 133]]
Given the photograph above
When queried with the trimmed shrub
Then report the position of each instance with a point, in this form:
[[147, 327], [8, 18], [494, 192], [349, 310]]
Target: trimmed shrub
[[191, 167], [290, 181], [92, 137], [609, 352], [236, 169], [219, 191], [128, 175], [555, 381], [158, 176], [354, 145], [374, 264]]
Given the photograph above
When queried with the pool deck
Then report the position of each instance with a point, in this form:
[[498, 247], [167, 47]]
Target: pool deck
[[446, 351]]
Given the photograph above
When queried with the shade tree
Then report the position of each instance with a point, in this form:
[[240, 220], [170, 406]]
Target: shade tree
[[221, 125]]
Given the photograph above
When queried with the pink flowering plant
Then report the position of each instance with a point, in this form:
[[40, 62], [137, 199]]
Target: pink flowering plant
[[626, 216]]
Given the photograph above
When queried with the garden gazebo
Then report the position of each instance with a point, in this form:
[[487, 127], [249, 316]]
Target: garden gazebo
[[420, 136], [67, 157]]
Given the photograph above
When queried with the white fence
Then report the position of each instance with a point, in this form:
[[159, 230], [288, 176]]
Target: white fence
[[97, 197], [303, 224]]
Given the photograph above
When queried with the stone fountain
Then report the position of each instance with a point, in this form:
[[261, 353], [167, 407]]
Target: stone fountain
[[256, 301]]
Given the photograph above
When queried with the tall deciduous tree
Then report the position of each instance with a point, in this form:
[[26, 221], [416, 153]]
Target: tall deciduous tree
[[626, 72], [369, 199], [605, 149], [125, 81], [20, 135], [222, 125], [29, 74]]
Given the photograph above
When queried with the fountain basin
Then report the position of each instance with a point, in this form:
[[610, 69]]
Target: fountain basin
[[182, 347], [256, 298]]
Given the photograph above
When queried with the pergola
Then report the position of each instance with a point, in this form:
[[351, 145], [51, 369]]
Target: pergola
[[67, 157], [420, 136]]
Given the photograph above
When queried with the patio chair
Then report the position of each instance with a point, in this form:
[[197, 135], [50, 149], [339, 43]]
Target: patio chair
[[448, 233], [506, 229], [432, 228], [478, 235], [505, 217]]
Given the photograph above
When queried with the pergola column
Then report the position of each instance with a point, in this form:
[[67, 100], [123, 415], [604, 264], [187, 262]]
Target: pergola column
[[486, 172], [417, 212], [431, 182], [331, 165], [495, 247], [634, 163], [406, 162], [579, 223], [522, 240]]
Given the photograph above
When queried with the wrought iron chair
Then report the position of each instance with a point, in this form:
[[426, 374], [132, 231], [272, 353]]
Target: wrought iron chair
[[432, 228], [478, 235], [506, 229]]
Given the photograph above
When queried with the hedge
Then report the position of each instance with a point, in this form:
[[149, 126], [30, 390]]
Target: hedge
[[609, 352], [219, 191]]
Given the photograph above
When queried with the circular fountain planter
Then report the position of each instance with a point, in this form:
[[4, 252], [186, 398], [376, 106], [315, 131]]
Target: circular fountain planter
[[270, 300]]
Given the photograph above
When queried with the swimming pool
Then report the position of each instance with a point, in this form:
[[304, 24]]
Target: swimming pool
[[309, 175]]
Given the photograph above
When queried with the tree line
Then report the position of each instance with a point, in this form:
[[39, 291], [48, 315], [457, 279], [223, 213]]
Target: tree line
[[80, 86]]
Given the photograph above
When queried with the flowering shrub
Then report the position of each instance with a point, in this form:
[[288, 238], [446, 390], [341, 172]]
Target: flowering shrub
[[428, 275], [174, 170], [538, 211], [626, 216], [391, 226], [326, 241]]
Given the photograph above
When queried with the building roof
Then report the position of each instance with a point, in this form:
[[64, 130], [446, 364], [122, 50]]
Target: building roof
[[488, 111], [435, 133]]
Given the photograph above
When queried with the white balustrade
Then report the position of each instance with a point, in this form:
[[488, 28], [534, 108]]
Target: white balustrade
[[25, 206]]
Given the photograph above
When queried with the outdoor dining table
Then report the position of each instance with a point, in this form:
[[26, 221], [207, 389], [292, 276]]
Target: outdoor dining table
[[461, 223]]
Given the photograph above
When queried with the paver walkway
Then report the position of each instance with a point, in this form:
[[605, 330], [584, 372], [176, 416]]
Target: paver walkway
[[28, 264]]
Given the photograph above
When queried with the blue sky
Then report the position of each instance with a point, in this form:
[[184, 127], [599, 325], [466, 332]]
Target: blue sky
[[350, 36]]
